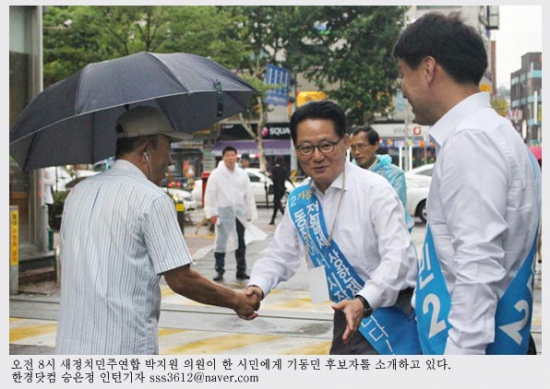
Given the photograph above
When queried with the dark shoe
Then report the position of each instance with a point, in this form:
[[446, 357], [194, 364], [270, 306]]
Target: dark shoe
[[243, 276], [219, 276], [272, 222]]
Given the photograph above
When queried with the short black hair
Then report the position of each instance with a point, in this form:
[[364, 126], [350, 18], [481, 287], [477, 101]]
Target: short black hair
[[245, 156], [372, 134], [456, 46], [228, 148], [319, 109]]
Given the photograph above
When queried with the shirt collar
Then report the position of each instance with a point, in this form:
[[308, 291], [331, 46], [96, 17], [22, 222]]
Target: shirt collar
[[128, 167], [445, 126]]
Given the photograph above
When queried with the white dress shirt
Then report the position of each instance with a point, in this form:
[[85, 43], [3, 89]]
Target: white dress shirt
[[370, 231], [483, 214]]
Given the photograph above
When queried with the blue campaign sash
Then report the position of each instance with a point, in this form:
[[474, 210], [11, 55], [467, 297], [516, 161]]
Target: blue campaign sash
[[388, 330], [433, 303], [514, 309]]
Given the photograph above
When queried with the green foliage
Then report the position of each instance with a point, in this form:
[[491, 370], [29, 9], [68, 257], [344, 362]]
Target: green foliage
[[349, 58], [56, 210], [96, 34], [500, 105]]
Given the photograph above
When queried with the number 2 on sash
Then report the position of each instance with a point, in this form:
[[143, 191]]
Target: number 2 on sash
[[435, 326]]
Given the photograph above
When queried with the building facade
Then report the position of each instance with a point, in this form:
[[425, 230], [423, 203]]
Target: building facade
[[526, 98], [25, 189]]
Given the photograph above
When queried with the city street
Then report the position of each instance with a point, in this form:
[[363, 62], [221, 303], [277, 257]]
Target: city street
[[289, 324]]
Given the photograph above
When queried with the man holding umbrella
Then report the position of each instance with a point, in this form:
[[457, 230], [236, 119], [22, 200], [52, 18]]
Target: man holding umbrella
[[118, 237]]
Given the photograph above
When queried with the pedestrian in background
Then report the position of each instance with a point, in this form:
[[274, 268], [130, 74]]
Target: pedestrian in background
[[483, 205], [365, 143], [279, 175], [229, 205], [348, 223], [119, 235], [48, 183], [245, 160]]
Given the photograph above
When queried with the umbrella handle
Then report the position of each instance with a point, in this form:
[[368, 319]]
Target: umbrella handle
[[219, 91]]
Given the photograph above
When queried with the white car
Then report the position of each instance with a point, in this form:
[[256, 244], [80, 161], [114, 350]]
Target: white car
[[182, 196], [260, 184], [65, 180], [418, 186]]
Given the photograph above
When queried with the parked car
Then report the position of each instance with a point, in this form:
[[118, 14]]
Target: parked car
[[65, 179], [424, 170], [418, 186], [182, 195], [260, 184]]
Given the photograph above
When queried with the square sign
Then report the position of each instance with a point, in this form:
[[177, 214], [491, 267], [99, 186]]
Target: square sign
[[276, 75]]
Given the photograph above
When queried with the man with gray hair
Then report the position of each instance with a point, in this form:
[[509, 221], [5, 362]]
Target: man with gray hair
[[119, 235]]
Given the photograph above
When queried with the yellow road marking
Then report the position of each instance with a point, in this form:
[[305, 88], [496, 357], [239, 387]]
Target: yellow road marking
[[170, 331], [322, 348], [18, 334], [220, 343]]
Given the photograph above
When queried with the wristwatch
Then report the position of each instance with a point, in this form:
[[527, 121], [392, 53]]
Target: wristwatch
[[367, 309]]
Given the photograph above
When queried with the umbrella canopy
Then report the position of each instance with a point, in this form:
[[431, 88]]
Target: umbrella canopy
[[537, 152], [73, 121]]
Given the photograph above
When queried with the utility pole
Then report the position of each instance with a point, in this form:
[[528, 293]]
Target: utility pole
[[406, 164]]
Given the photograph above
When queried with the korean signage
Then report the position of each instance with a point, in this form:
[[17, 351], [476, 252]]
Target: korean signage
[[276, 75]]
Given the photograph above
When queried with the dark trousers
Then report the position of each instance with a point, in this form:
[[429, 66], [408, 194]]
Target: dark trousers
[[277, 206], [239, 254], [358, 345]]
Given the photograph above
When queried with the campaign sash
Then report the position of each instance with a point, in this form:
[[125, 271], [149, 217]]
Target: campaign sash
[[388, 330], [433, 303], [514, 309]]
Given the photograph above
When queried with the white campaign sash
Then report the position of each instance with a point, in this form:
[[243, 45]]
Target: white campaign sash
[[433, 303], [389, 330]]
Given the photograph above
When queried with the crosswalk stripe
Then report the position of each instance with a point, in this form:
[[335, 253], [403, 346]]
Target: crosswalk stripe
[[18, 334], [322, 348], [218, 344]]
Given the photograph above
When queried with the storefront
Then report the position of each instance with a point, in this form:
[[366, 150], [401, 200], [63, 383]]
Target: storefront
[[25, 83]]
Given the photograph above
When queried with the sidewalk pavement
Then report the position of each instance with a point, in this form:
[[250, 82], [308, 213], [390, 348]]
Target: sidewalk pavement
[[290, 296]]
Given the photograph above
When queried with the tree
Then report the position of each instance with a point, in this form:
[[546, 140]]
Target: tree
[[346, 51], [500, 105], [98, 33], [349, 56], [268, 32]]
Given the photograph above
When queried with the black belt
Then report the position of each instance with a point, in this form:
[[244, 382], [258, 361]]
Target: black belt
[[406, 291]]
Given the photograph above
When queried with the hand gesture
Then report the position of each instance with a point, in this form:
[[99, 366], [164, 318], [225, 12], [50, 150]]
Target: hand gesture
[[246, 306], [353, 309]]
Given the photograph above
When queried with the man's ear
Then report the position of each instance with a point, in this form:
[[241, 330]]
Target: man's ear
[[428, 66]]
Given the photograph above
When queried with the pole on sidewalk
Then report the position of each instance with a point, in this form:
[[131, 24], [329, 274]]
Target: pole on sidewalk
[[14, 249]]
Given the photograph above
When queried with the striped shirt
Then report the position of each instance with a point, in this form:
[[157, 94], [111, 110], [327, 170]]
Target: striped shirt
[[119, 233]]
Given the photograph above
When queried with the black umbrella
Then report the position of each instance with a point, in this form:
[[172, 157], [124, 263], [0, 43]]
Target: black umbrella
[[73, 121]]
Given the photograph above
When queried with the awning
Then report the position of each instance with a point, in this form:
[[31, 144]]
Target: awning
[[271, 147]]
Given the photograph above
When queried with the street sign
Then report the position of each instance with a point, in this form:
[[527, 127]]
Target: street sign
[[276, 75]]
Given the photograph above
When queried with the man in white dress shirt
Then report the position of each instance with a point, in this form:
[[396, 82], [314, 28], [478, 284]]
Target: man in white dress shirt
[[349, 224], [119, 235], [474, 292]]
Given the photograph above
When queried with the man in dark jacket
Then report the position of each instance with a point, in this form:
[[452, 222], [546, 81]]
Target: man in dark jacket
[[279, 174]]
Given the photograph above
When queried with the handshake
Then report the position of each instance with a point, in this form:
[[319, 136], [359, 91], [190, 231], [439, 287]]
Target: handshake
[[248, 302]]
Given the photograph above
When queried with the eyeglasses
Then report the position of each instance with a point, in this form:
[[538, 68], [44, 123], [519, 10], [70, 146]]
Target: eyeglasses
[[324, 147], [359, 147]]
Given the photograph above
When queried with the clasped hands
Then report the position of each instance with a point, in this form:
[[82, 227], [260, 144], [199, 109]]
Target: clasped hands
[[248, 302]]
